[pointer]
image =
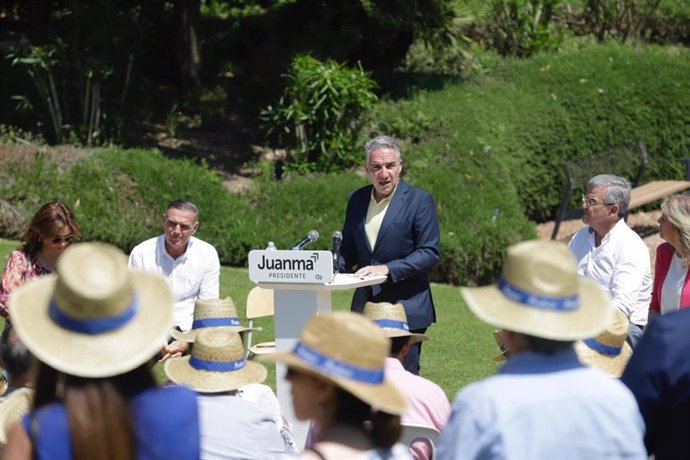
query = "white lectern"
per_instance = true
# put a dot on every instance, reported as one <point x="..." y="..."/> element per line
<point x="301" y="289"/>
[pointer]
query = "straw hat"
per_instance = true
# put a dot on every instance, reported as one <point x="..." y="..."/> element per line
<point x="217" y="363"/>
<point x="12" y="408"/>
<point x="93" y="317"/>
<point x="211" y="313"/>
<point x="540" y="293"/>
<point x="349" y="350"/>
<point x="608" y="351"/>
<point x="392" y="319"/>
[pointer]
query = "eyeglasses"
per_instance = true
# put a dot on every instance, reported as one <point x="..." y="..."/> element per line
<point x="60" y="239"/>
<point x="591" y="202"/>
<point x="172" y="224"/>
<point x="377" y="168"/>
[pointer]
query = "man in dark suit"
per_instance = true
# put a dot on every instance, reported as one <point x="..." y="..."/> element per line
<point x="658" y="374"/>
<point x="391" y="229"/>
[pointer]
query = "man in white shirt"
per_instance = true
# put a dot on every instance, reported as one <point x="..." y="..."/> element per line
<point x="611" y="253"/>
<point x="190" y="265"/>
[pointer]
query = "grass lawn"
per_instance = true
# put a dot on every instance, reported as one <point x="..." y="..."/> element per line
<point x="458" y="353"/>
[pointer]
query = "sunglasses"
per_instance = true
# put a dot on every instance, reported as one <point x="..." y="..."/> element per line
<point x="59" y="239"/>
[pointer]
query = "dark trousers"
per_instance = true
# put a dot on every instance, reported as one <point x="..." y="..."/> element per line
<point x="413" y="355"/>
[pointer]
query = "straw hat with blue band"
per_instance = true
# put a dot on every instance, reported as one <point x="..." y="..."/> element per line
<point x="349" y="350"/>
<point x="212" y="313"/>
<point x="392" y="319"/>
<point x="540" y="293"/>
<point x="609" y="350"/>
<point x="217" y="363"/>
<point x="12" y="409"/>
<point x="93" y="317"/>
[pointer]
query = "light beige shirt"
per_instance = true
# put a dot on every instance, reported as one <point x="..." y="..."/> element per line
<point x="375" y="215"/>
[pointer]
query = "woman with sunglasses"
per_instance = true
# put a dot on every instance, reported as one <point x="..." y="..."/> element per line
<point x="51" y="230"/>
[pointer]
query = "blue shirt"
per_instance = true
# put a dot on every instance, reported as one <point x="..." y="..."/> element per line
<point x="658" y="374"/>
<point x="166" y="426"/>
<point x="544" y="407"/>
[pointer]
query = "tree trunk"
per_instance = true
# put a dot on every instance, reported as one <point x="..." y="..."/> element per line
<point x="188" y="47"/>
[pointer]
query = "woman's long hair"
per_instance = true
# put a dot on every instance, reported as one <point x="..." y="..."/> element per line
<point x="50" y="218"/>
<point x="100" y="422"/>
<point x="385" y="428"/>
<point x="677" y="210"/>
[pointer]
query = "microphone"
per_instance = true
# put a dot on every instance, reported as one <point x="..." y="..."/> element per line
<point x="337" y="239"/>
<point x="312" y="236"/>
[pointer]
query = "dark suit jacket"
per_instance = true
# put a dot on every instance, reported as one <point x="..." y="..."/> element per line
<point x="658" y="374"/>
<point x="407" y="242"/>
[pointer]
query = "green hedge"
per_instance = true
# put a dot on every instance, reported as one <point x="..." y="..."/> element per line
<point x="532" y="115"/>
<point x="490" y="150"/>
<point x="555" y="107"/>
<point x="119" y="196"/>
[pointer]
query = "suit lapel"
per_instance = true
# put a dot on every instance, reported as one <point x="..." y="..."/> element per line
<point x="396" y="205"/>
<point x="361" y="220"/>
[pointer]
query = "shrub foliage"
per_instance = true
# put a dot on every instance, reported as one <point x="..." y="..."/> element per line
<point x="319" y="114"/>
<point x="489" y="150"/>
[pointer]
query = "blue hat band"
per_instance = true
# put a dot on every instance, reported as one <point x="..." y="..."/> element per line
<point x="602" y="348"/>
<point x="514" y="293"/>
<point x="216" y="366"/>
<point x="215" y="322"/>
<point x="392" y="323"/>
<point x="335" y="367"/>
<point x="92" y="326"/>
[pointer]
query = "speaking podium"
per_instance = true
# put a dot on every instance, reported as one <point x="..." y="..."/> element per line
<point x="302" y="282"/>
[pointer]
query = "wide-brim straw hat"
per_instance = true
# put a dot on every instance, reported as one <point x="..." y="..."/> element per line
<point x="93" y="317"/>
<point x="391" y="318"/>
<point x="12" y="408"/>
<point x="608" y="351"/>
<point x="540" y="293"/>
<point x="209" y="314"/>
<point x="349" y="350"/>
<point x="217" y="363"/>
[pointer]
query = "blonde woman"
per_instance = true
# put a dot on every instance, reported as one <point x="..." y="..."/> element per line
<point x="671" y="290"/>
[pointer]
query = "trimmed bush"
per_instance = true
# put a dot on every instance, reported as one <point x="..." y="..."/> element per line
<point x="583" y="101"/>
<point x="532" y="115"/>
<point x="489" y="150"/>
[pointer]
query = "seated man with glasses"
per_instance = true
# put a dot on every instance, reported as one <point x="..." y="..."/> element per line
<point x="611" y="253"/>
<point x="190" y="265"/>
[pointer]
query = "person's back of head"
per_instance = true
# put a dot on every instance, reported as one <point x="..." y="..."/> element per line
<point x="352" y="411"/>
<point x="399" y="347"/>
<point x="15" y="358"/>
<point x="544" y="346"/>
